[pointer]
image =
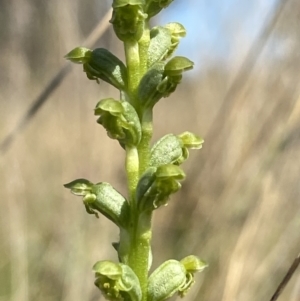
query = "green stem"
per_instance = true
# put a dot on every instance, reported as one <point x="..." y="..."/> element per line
<point x="135" y="246"/>
<point x="135" y="243"/>
<point x="146" y="118"/>
<point x="140" y="250"/>
<point x="140" y="230"/>
<point x="144" y="146"/>
<point x="143" y="49"/>
<point x="132" y="168"/>
<point x="133" y="69"/>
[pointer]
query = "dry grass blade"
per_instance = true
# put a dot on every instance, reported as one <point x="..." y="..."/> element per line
<point x="52" y="86"/>
<point x="35" y="106"/>
<point x="286" y="278"/>
<point x="220" y="122"/>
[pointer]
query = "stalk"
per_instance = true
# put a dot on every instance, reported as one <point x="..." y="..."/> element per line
<point x="133" y="69"/>
<point x="143" y="48"/>
<point x="140" y="233"/>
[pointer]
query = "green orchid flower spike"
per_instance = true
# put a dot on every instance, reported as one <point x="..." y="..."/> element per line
<point x="154" y="170"/>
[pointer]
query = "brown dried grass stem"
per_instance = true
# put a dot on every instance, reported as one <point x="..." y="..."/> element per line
<point x="286" y="278"/>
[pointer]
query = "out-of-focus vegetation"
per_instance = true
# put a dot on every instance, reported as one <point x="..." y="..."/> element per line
<point x="239" y="208"/>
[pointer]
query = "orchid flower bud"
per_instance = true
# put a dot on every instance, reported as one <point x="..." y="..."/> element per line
<point x="128" y="19"/>
<point x="117" y="281"/>
<point x="103" y="198"/>
<point x="174" y="149"/>
<point x="173" y="277"/>
<point x="188" y="141"/>
<point x="156" y="185"/>
<point x="177" y="65"/>
<point x="120" y="120"/>
<point x="100" y="64"/>
<point x="161" y="80"/>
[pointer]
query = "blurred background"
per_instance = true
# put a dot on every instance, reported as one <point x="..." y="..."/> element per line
<point x="239" y="208"/>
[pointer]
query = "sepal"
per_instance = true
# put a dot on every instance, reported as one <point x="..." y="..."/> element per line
<point x="160" y="44"/>
<point x="120" y="120"/>
<point x="191" y="140"/>
<point x="177" y="31"/>
<point x="128" y="19"/>
<point x="193" y="264"/>
<point x="148" y="93"/>
<point x="188" y="141"/>
<point x="106" y="66"/>
<point x="174" y="149"/>
<point x="110" y="203"/>
<point x="80" y="187"/>
<point x="156" y="185"/>
<point x="117" y="281"/>
<point x="145" y="182"/>
<point x="177" y="65"/>
<point x="166" y="280"/>
<point x="166" y="150"/>
<point x="173" y="277"/>
<point x="164" y="41"/>
<point x="79" y="55"/>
